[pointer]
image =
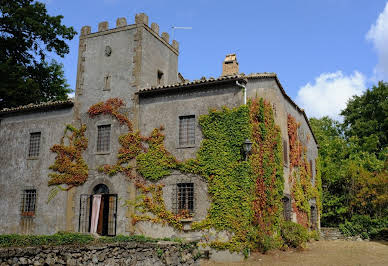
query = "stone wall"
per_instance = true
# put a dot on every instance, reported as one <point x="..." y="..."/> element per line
<point x="131" y="253"/>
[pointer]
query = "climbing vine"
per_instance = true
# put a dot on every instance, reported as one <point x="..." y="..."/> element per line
<point x="267" y="164"/>
<point x="151" y="201"/>
<point x="157" y="162"/>
<point x="71" y="169"/>
<point x="149" y="157"/>
<point x="301" y="177"/>
<point x="245" y="194"/>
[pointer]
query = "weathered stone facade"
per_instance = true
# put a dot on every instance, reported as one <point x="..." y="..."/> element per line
<point x="132" y="253"/>
<point x="136" y="64"/>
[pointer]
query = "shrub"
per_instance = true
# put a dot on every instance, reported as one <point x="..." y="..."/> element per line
<point x="380" y="235"/>
<point x="314" y="235"/>
<point x="364" y="226"/>
<point x="293" y="234"/>
<point x="60" y="238"/>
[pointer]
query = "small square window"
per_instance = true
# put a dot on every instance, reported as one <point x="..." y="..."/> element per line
<point x="28" y="202"/>
<point x="103" y="138"/>
<point x="34" y="147"/>
<point x="185" y="197"/>
<point x="187" y="130"/>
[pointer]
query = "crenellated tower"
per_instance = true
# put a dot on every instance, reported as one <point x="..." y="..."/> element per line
<point x="117" y="62"/>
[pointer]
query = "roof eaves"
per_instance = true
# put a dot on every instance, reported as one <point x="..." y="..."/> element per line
<point x="35" y="107"/>
<point x="195" y="83"/>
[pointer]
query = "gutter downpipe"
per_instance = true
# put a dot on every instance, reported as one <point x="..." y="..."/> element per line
<point x="244" y="90"/>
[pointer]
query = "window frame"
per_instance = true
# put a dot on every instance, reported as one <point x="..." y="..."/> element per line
<point x="28" y="195"/>
<point x="187" y="145"/>
<point x="99" y="125"/>
<point x="30" y="133"/>
<point x="189" y="192"/>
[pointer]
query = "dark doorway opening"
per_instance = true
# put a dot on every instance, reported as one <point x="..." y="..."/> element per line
<point x="98" y="212"/>
<point x="287" y="207"/>
<point x="313" y="217"/>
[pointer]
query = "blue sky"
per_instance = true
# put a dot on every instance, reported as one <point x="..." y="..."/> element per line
<point x="323" y="51"/>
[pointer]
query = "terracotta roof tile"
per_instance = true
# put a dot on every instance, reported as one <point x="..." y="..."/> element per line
<point x="211" y="80"/>
<point x="44" y="105"/>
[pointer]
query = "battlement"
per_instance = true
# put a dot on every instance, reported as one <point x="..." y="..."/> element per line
<point x="141" y="20"/>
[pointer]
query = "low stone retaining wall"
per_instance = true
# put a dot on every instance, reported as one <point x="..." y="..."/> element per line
<point x="131" y="253"/>
<point x="331" y="233"/>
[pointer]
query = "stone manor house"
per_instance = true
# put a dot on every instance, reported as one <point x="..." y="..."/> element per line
<point x="139" y="65"/>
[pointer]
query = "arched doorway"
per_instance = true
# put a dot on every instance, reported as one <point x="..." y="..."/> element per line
<point x="98" y="211"/>
<point x="101" y="189"/>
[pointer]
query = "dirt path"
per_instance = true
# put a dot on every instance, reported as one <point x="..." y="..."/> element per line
<point x="336" y="252"/>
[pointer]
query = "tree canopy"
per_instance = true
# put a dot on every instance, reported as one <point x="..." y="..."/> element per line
<point x="354" y="159"/>
<point x="366" y="117"/>
<point x="27" y="36"/>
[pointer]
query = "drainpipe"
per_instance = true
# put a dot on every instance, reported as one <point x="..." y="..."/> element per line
<point x="244" y="91"/>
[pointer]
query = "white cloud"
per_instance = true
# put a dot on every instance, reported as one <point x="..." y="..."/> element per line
<point x="378" y="34"/>
<point x="330" y="93"/>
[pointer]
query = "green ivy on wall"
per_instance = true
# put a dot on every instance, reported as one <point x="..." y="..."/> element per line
<point x="246" y="196"/>
<point x="71" y="169"/>
<point x="302" y="188"/>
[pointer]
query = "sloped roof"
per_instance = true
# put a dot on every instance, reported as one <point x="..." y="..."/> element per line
<point x="40" y="106"/>
<point x="194" y="83"/>
<point x="223" y="79"/>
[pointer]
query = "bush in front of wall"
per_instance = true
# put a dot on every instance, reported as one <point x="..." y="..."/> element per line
<point x="293" y="234"/>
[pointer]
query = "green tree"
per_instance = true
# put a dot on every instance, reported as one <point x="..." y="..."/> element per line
<point x="366" y="118"/>
<point x="333" y="151"/>
<point x="27" y="35"/>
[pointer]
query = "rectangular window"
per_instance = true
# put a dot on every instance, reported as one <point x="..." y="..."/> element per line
<point x="186" y="130"/>
<point x="107" y="79"/>
<point x="34" y="147"/>
<point x="28" y="202"/>
<point x="103" y="138"/>
<point x="285" y="154"/>
<point x="185" y="197"/>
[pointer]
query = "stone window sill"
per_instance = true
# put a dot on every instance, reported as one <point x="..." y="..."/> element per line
<point x="186" y="147"/>
<point x="33" y="158"/>
<point x="102" y="153"/>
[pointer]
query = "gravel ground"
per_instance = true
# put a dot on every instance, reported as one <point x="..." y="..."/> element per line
<point x="336" y="252"/>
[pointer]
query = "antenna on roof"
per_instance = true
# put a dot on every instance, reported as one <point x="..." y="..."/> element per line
<point x="178" y="28"/>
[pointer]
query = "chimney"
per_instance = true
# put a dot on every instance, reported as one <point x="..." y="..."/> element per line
<point x="230" y="65"/>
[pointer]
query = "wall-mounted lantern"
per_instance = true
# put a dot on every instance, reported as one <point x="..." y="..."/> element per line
<point x="247" y="146"/>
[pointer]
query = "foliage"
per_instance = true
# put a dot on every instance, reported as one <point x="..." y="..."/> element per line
<point x="157" y="162"/>
<point x="365" y="117"/>
<point x="151" y="201"/>
<point x="71" y="169"/>
<point x="123" y="239"/>
<point x="28" y="34"/>
<point x="246" y="195"/>
<point x="267" y="166"/>
<point x="152" y="163"/>
<point x="293" y="234"/>
<point x="110" y="107"/>
<point x="60" y="238"/>
<point x="303" y="190"/>
<point x="364" y="226"/>
<point x="66" y="238"/>
<point x="230" y="180"/>
<point x="355" y="181"/>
